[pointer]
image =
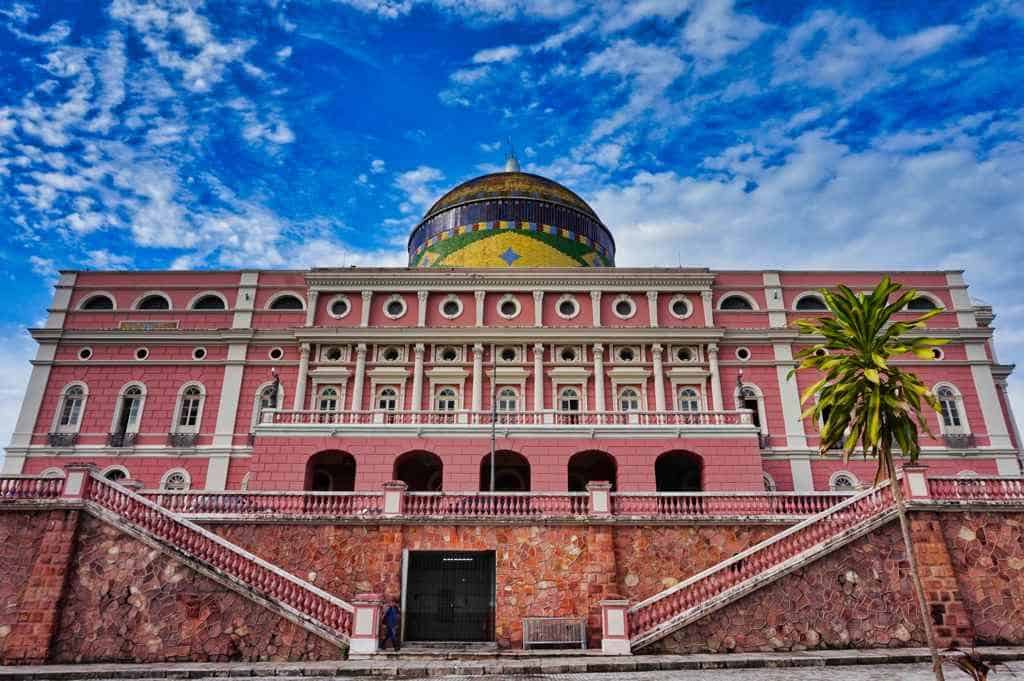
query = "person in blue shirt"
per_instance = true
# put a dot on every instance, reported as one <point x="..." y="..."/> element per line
<point x="392" y="620"/>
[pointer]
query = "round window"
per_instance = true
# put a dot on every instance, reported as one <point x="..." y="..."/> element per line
<point x="568" y="308"/>
<point x="568" y="355"/>
<point x="684" y="355"/>
<point x="627" y="355"/>
<point x="390" y="354"/>
<point x="449" y="355"/>
<point x="141" y="353"/>
<point x="199" y="353"/>
<point x="85" y="353"/>
<point x="332" y="354"/>
<point x="624" y="308"/>
<point x="395" y="308"/>
<point x="820" y="352"/>
<point x="340" y="308"/>
<point x="451" y="308"/>
<point x="508" y="308"/>
<point x="680" y="308"/>
<point x="508" y="355"/>
<point x="937" y="354"/>
<point x="275" y="353"/>
<point x="742" y="354"/>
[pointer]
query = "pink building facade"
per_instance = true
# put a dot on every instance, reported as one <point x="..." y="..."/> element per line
<point x="344" y="379"/>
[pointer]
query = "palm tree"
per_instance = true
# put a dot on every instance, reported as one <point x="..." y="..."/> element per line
<point x="864" y="400"/>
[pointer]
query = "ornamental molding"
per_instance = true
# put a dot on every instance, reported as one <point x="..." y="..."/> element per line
<point x="617" y="279"/>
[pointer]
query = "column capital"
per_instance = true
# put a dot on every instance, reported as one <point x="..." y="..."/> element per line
<point x="304" y="348"/>
<point x="538" y="348"/>
<point x="656" y="349"/>
<point x="478" y="349"/>
<point x="705" y="295"/>
<point x="713" y="348"/>
<point x="419" y="349"/>
<point x="598" y="348"/>
<point x="538" y="295"/>
<point x="595" y="295"/>
<point x="366" y="295"/>
<point x="422" y="296"/>
<point x="652" y="295"/>
<point x="361" y="349"/>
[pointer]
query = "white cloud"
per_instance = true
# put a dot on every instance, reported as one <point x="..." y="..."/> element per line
<point x="714" y="31"/>
<point x="44" y="267"/>
<point x="103" y="259"/>
<point x="848" y="55"/>
<point x="377" y="166"/>
<point x="276" y="132"/>
<point x="505" y="53"/>
<point x="469" y="76"/>
<point x="420" y="187"/>
<point x="284" y="53"/>
<point x="15" y="365"/>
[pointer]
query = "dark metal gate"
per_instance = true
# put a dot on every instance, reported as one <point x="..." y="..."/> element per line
<point x="450" y="596"/>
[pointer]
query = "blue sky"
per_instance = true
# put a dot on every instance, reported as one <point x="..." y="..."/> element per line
<point x="160" y="134"/>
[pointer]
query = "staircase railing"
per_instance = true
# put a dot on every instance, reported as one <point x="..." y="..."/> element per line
<point x="267" y="580"/>
<point x="704" y="592"/>
<point x="30" y="487"/>
<point x="976" y="489"/>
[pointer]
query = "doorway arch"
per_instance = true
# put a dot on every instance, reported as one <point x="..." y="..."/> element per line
<point x="422" y="471"/>
<point x="511" y="472"/>
<point x="679" y="471"/>
<point x="591" y="466"/>
<point x="330" y="471"/>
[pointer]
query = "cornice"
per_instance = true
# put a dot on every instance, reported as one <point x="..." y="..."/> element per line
<point x="618" y="279"/>
<point x="502" y="334"/>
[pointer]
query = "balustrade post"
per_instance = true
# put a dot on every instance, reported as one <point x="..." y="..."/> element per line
<point x="76" y="480"/>
<point x="394" y="498"/>
<point x="615" y="627"/>
<point x="132" y="485"/>
<point x="915" y="483"/>
<point x="600" y="499"/>
<point x="365" y="623"/>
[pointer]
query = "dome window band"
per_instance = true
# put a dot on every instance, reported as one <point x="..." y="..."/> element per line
<point x="508" y="308"/>
<point x="451" y="308"/>
<point x="275" y="353"/>
<point x="508" y="354"/>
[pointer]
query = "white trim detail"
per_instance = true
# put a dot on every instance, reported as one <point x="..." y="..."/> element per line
<point x="176" y="426"/>
<point x="336" y="299"/>
<point x="958" y="404"/>
<point x="148" y="294"/>
<point x="110" y="469"/>
<point x="567" y="297"/>
<point x="203" y="294"/>
<point x="689" y="306"/>
<point x="281" y="294"/>
<point x="133" y="425"/>
<point x="450" y="298"/>
<point x="624" y="298"/>
<point x="808" y="294"/>
<point x="166" y="477"/>
<point x="394" y="297"/>
<point x="746" y="296"/>
<point x="79" y="414"/>
<point x="107" y="294"/>
<point x="508" y="297"/>
<point x="834" y="478"/>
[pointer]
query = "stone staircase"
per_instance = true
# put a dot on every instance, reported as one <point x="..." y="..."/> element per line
<point x="228" y="564"/>
<point x="761" y="564"/>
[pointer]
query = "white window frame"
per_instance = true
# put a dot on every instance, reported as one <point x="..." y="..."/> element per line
<point x="320" y="398"/>
<point x="396" y="397"/>
<point x="268" y="306"/>
<point x="138" y="300"/>
<point x="439" y="352"/>
<point x="958" y="400"/>
<point x="637" y="397"/>
<point x="216" y="294"/>
<point x="835" y="477"/>
<point x="257" y="404"/>
<point x="270" y="353"/>
<point x="515" y="397"/>
<point x="746" y="296"/>
<point x="696" y="397"/>
<point x="624" y="297"/>
<point x="578" y="349"/>
<point x="514" y="348"/>
<point x="176" y="426"/>
<point x="176" y="471"/>
<point x="109" y="469"/>
<point x="808" y="294"/>
<point x="81" y="303"/>
<point x="342" y="353"/>
<point x="381" y="349"/>
<point x="571" y="298"/>
<point x="131" y="427"/>
<point x="695" y="356"/>
<point x="508" y="297"/>
<point x="336" y="299"/>
<point x="450" y="298"/>
<point x="762" y="416"/>
<point x="391" y="299"/>
<point x="457" y="398"/>
<point x="744" y="348"/>
<point x="689" y="306"/>
<point x="71" y="427"/>
<point x="637" y="354"/>
<point x="578" y="390"/>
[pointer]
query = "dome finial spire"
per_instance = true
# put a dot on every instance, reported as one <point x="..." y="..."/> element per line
<point x="511" y="162"/>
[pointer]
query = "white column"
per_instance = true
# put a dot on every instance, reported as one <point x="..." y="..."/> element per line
<point x="789" y="394"/>
<point x="27" y="417"/>
<point x="421" y="311"/>
<point x="245" y="301"/>
<point x="480" y="296"/>
<point x="709" y="310"/>
<point x="962" y="304"/>
<point x="595" y="307"/>
<point x="538" y="308"/>
<point x="478" y="377"/>
<point x="800" y="469"/>
<point x="599" y="377"/>
<point x="774" y="302"/>
<point x="538" y="375"/>
<point x="659" y="378"/>
<point x="61" y="300"/>
<point x="995" y="424"/>
<point x="364" y="314"/>
<point x="299" y="401"/>
<point x="1005" y="394"/>
<point x="716" y="382"/>
<point x="311" y="299"/>
<point x="357" y="381"/>
<point x="230" y="393"/>
<point x="417" y="378"/>
<point x="652" y="308"/>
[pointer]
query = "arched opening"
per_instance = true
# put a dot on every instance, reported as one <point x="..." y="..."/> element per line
<point x="421" y="471"/>
<point x="209" y="302"/>
<point x="592" y="466"/>
<point x="679" y="471"/>
<point x="98" y="302"/>
<point x="155" y="301"/>
<point x="287" y="302"/>
<point x="331" y="471"/>
<point x="811" y="303"/>
<point x="735" y="302"/>
<point x="511" y="472"/>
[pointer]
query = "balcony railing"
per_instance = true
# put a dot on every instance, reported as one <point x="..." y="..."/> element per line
<point x="61" y="439"/>
<point x="121" y="439"/>
<point x="739" y="417"/>
<point x="185" y="440"/>
<point x="960" y="440"/>
<point x="335" y="504"/>
<point x="976" y="489"/>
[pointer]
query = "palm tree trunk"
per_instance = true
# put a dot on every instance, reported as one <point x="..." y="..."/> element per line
<point x="915" y="576"/>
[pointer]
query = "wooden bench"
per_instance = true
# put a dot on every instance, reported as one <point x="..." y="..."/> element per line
<point x="560" y="631"/>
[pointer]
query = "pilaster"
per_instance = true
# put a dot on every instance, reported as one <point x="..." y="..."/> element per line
<point x="357" y="382"/>
<point x="598" y="350"/>
<point x="478" y="370"/>
<point x="652" y="308"/>
<point x="709" y="310"/>
<point x="29" y="413"/>
<point x="595" y="307"/>
<point x="538" y="377"/>
<point x="421" y="310"/>
<point x="984" y="383"/>
<point x="775" y="303"/>
<point x="364" y="313"/>
<point x="789" y="396"/>
<point x="716" y="381"/>
<point x="538" y="308"/>
<point x="245" y="301"/>
<point x="61" y="300"/>
<point x="299" y="401"/>
<point x="659" y="378"/>
<point x="417" y="377"/>
<point x="480" y="296"/>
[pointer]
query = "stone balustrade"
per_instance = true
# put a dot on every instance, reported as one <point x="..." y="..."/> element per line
<point x="976" y="489"/>
<point x="327" y="504"/>
<point x="29" y="487"/>
<point x="738" y="417"/>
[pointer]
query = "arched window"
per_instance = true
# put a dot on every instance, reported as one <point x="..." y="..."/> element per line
<point x="190" y="409"/>
<point x="116" y="473"/>
<point x="843" y="481"/>
<point x="593" y="466"/>
<point x="286" y="302"/>
<point x="511" y="473"/>
<point x="569" y="400"/>
<point x="98" y="302"/>
<point x="209" y="301"/>
<point x="421" y="471"/>
<point x="176" y="480"/>
<point x="58" y="473"/>
<point x="446" y="400"/>
<point x="678" y="471"/>
<point x="270" y="396"/>
<point x="129" y="410"/>
<point x="689" y="400"/>
<point x="952" y="415"/>
<point x="735" y="302"/>
<point x="331" y="471"/>
<point x="921" y="304"/>
<point x="508" y="401"/>
<point x="811" y="302"/>
<point x="629" y="400"/>
<point x="154" y="301"/>
<point x="749" y="397"/>
<point x="328" y="400"/>
<point x="387" y="399"/>
<point x="72" y="405"/>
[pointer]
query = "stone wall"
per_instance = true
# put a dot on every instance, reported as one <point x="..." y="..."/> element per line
<point x="858" y="597"/>
<point x="127" y="602"/>
<point x="987" y="552"/>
